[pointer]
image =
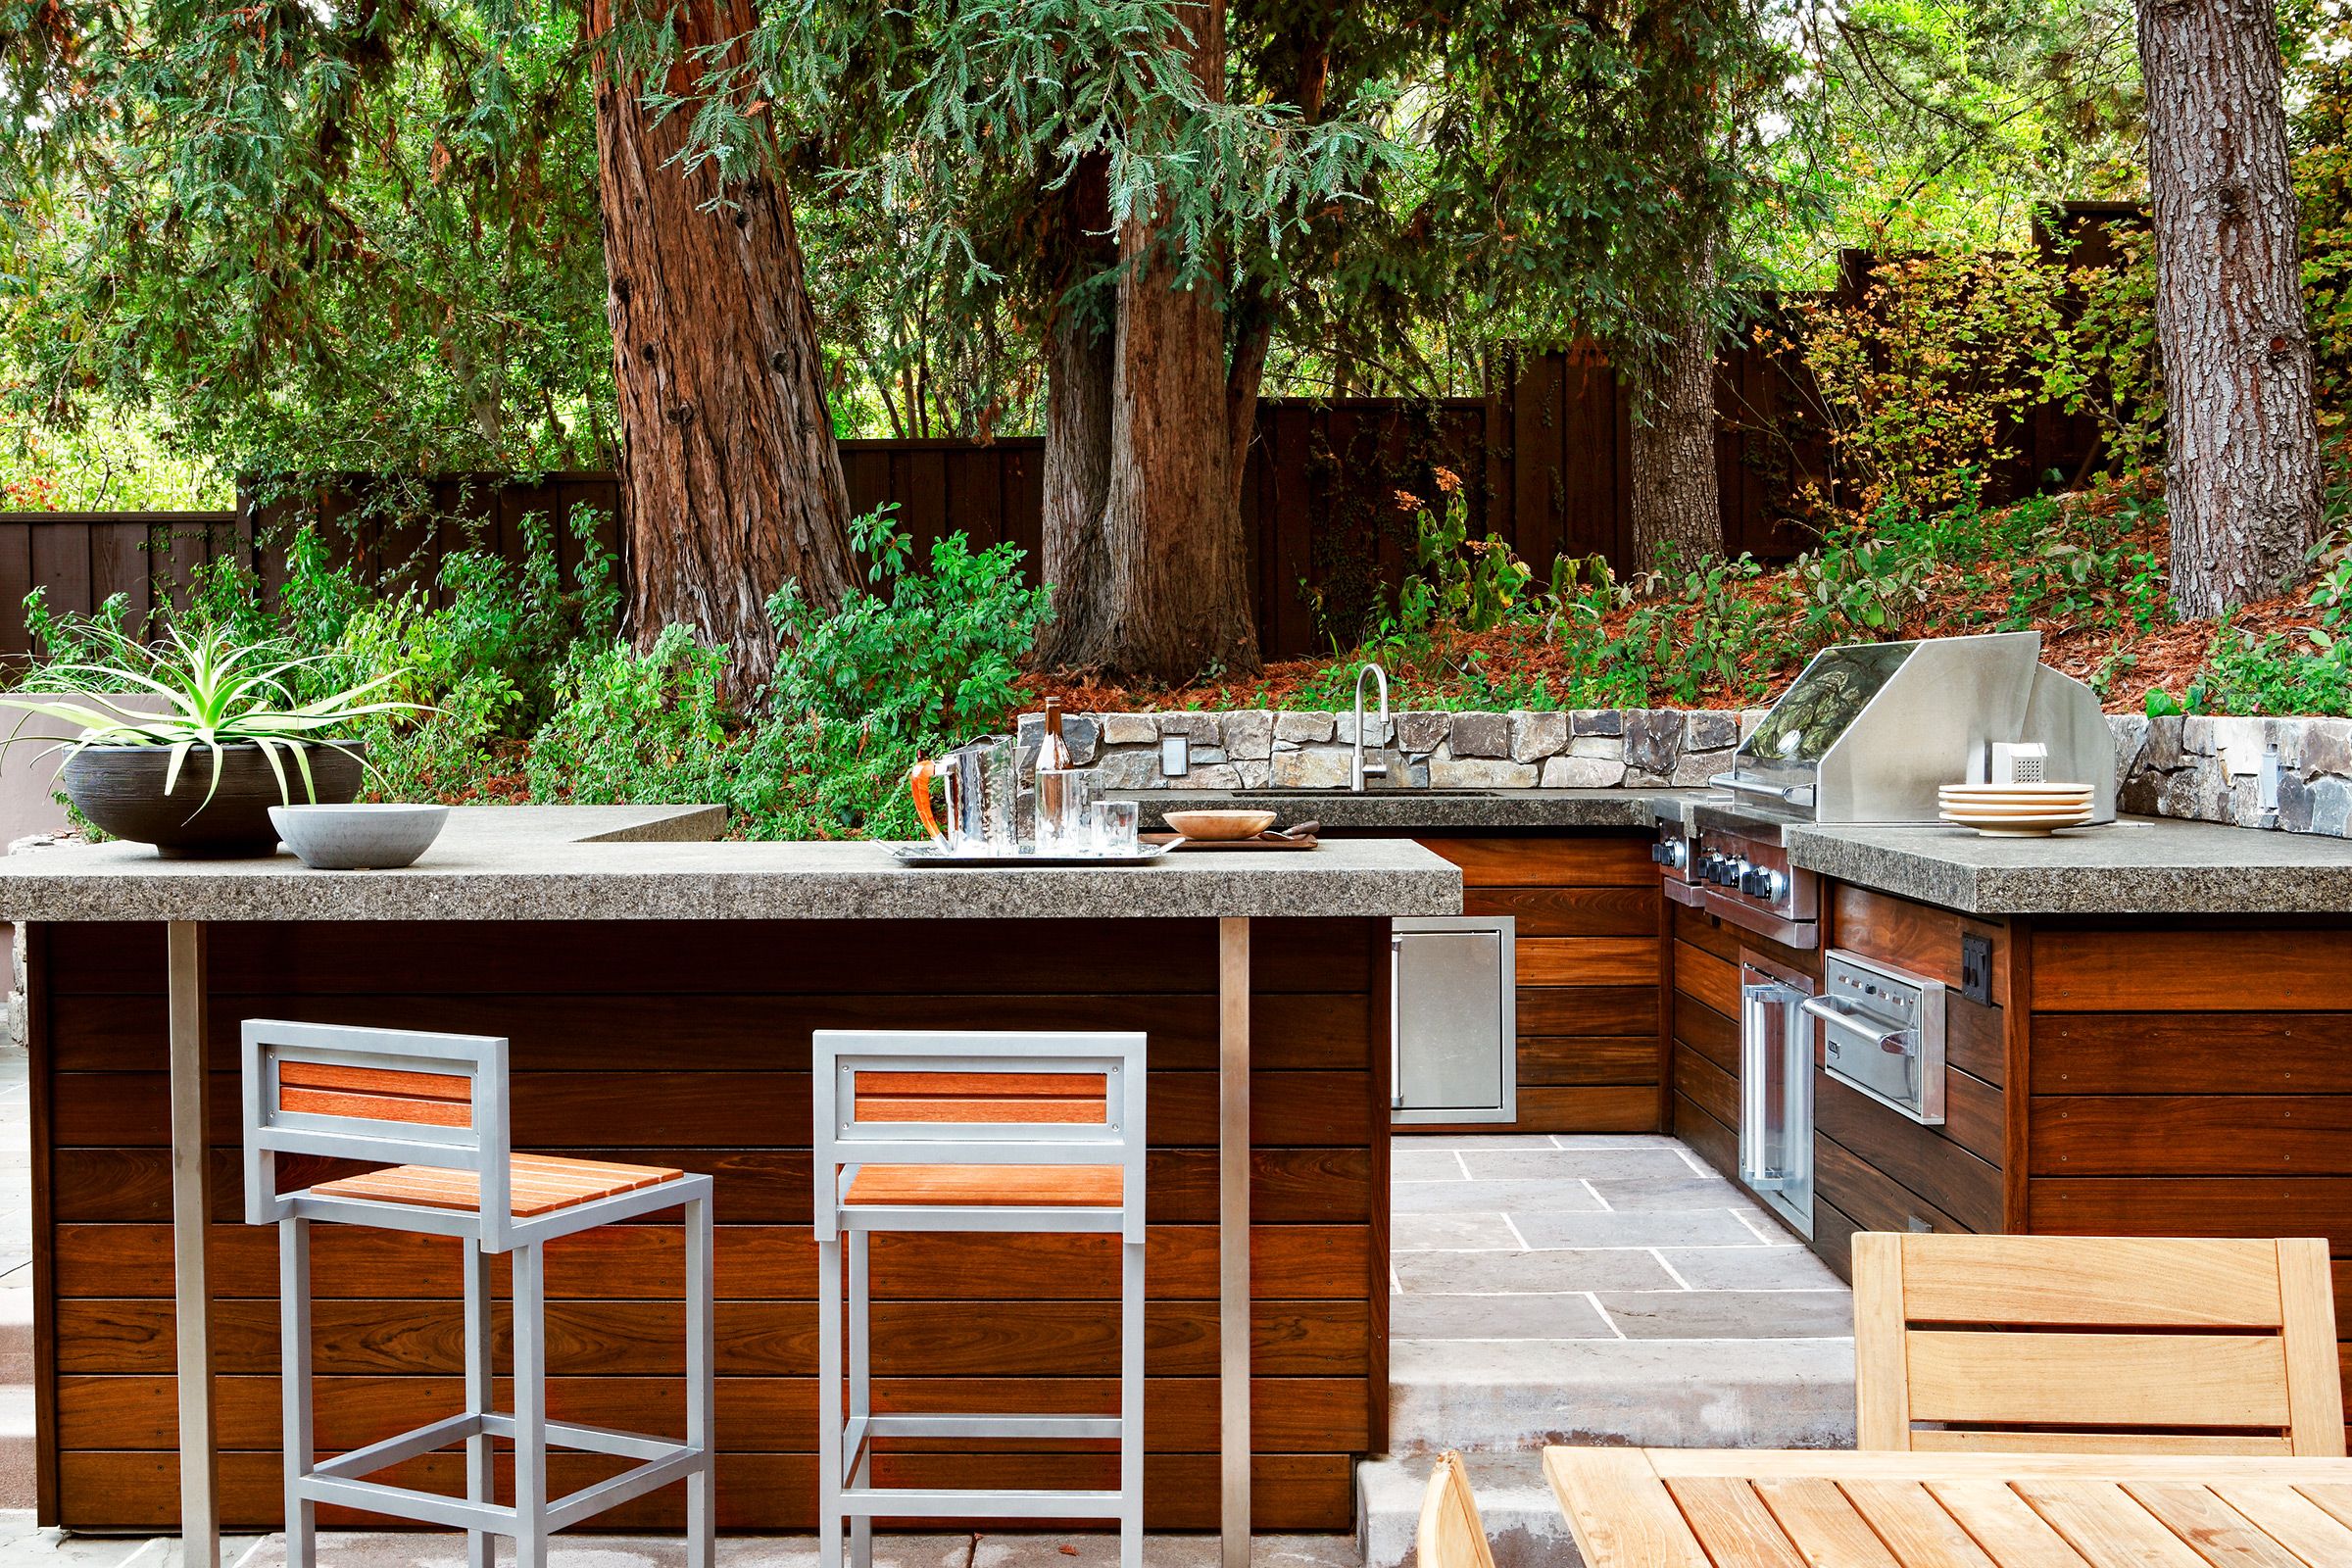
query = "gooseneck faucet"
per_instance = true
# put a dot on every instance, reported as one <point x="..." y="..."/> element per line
<point x="1363" y="769"/>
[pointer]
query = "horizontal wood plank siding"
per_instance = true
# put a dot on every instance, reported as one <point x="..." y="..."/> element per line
<point x="690" y="1043"/>
<point x="1588" y="963"/>
<point x="2193" y="1079"/>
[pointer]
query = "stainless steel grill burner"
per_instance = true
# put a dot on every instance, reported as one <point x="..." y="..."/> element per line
<point x="1867" y="733"/>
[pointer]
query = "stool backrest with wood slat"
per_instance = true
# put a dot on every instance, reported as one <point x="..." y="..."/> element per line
<point x="976" y="1097"/>
<point x="388" y="1097"/>
<point x="2111" y="1344"/>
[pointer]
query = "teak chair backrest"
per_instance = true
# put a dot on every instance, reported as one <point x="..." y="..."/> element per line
<point x="1450" y="1535"/>
<point x="2056" y="1343"/>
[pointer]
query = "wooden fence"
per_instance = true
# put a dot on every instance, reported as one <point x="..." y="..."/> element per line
<point x="1544" y="463"/>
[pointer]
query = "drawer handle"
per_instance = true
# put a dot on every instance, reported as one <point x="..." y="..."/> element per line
<point x="1895" y="1042"/>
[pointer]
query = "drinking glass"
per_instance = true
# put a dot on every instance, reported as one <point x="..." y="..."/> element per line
<point x="1062" y="797"/>
<point x="1115" y="823"/>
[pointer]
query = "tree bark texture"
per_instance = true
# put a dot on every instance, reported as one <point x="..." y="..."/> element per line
<point x="1081" y="360"/>
<point x="2242" y="460"/>
<point x="1173" y="598"/>
<point x="1677" y="510"/>
<point x="729" y="466"/>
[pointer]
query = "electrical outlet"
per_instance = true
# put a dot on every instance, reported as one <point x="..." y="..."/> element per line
<point x="1976" y="968"/>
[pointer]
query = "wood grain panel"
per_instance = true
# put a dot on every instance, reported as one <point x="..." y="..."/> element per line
<point x="1707" y="1032"/>
<point x="1875" y="1201"/>
<point x="1597" y="861"/>
<point x="733" y="1031"/>
<point x="1935" y="1168"/>
<point x="2192" y="1053"/>
<point x="947" y="1338"/>
<point x="686" y="958"/>
<point x="1547" y="1059"/>
<point x="687" y="1110"/>
<point x="1917" y="937"/>
<point x="756" y="1415"/>
<point x="1709" y="1087"/>
<point x="1614" y="910"/>
<point x="1588" y="1010"/>
<point x="751" y="1262"/>
<point x="619" y="1057"/>
<point x="1703" y="977"/>
<point x="2196" y="1205"/>
<point x="1975" y="1039"/>
<point x="2200" y="969"/>
<point x="1715" y="1142"/>
<point x="1603" y="1108"/>
<point x="2191" y="1135"/>
<point x="1588" y="960"/>
<point x="1301" y="1491"/>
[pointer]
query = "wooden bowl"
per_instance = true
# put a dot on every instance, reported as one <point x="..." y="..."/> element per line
<point x="1217" y="825"/>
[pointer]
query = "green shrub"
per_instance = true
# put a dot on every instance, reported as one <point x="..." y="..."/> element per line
<point x="636" y="727"/>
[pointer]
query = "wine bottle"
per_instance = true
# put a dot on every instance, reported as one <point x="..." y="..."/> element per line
<point x="1052" y="779"/>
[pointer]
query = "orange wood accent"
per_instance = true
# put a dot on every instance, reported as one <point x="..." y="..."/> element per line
<point x="1917" y="937"/>
<point x="541" y="1184"/>
<point x="377" y="1080"/>
<point x="989" y="1186"/>
<point x="376" y="1107"/>
<point x="2196" y="969"/>
<point x="1578" y="861"/>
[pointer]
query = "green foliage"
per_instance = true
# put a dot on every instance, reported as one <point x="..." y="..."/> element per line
<point x="2321" y="135"/>
<point x="215" y="692"/>
<point x="931" y="654"/>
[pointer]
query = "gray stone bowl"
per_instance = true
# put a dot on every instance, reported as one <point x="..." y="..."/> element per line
<point x="358" y="838"/>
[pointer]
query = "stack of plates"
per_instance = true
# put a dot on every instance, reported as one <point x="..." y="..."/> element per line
<point x="2016" y="809"/>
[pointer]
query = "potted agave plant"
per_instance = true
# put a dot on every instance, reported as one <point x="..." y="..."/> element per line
<point x="232" y="739"/>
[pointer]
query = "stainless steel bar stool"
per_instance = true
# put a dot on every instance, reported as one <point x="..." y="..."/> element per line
<point x="432" y="1107"/>
<point x="938" y="1130"/>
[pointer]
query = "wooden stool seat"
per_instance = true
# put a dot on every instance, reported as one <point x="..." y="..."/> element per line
<point x="988" y="1186"/>
<point x="541" y="1184"/>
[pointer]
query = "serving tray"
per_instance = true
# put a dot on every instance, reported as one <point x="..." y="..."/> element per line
<point x="931" y="854"/>
<point x="1176" y="840"/>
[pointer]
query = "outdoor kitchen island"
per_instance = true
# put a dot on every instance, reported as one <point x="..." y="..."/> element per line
<point x="659" y="997"/>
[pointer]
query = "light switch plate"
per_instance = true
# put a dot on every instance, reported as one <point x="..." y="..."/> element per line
<point x="1976" y="968"/>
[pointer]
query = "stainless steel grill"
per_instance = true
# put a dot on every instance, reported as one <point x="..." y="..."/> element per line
<point x="1867" y="733"/>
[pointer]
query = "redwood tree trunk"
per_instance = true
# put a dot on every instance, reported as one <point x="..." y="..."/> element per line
<point x="1676" y="508"/>
<point x="1081" y="361"/>
<point x="729" y="466"/>
<point x="2243" y="458"/>
<point x="1173" y="596"/>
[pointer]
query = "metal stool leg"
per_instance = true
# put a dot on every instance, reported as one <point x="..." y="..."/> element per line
<point x="1130" y="1405"/>
<point x="828" y="1403"/>
<point x="294" y="1372"/>
<point x="481" y="1549"/>
<point x="701" y="1424"/>
<point x="530" y="1408"/>
<point x="862" y="1399"/>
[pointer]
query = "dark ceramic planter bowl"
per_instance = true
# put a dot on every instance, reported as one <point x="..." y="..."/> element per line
<point x="120" y="788"/>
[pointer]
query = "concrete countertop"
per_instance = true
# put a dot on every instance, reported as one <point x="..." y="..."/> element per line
<point x="1432" y="809"/>
<point x="659" y="864"/>
<point x="2139" y="865"/>
<point x="2142" y="865"/>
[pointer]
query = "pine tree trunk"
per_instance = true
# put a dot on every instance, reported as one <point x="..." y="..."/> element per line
<point x="1174" y="594"/>
<point x="2242" y="461"/>
<point x="1676" y="510"/>
<point x="729" y="468"/>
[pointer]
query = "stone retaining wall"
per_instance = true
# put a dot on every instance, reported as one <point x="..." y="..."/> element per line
<point x="2202" y="768"/>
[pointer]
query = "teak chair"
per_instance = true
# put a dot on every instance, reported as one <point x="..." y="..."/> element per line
<point x="1450" y="1535"/>
<point x="2059" y="1344"/>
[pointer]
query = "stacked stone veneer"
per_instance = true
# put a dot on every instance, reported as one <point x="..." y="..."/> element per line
<point x="2202" y="768"/>
<point x="2210" y="769"/>
<point x="1261" y="749"/>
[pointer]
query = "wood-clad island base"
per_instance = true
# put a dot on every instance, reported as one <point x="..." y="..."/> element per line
<point x="686" y="1045"/>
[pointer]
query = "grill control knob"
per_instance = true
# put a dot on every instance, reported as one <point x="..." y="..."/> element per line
<point x="1731" y="873"/>
<point x="1765" y="884"/>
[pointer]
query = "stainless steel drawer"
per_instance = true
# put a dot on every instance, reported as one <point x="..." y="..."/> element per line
<point x="1453" y="1019"/>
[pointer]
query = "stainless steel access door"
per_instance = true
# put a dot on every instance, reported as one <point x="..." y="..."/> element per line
<point x="1453" y="1019"/>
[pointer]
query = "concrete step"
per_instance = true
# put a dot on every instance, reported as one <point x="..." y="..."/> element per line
<point x="1523" y="1526"/>
<point x="1514" y="1396"/>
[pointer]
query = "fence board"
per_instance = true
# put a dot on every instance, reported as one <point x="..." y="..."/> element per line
<point x="1543" y="458"/>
